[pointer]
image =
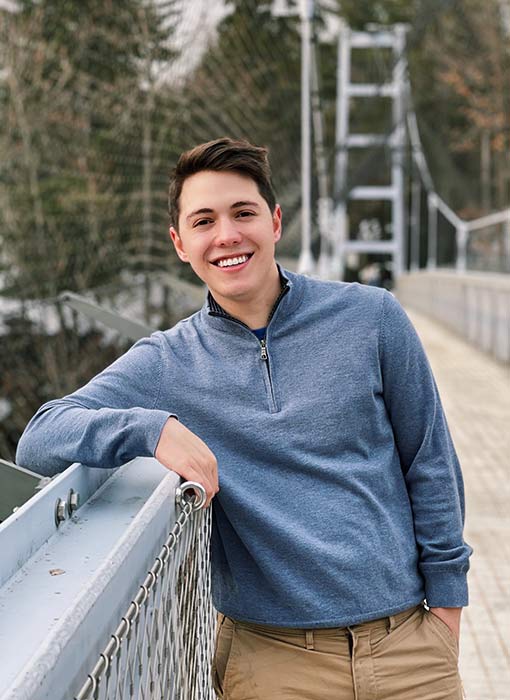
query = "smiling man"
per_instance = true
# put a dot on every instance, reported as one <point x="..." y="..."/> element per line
<point x="230" y="242"/>
<point x="337" y="556"/>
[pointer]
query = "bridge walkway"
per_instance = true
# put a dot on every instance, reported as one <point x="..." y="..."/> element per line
<point x="475" y="391"/>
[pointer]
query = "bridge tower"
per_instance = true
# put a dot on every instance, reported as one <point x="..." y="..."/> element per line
<point x="346" y="241"/>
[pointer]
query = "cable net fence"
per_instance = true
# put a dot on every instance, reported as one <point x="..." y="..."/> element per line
<point x="488" y="248"/>
<point x="97" y="100"/>
<point x="162" y="647"/>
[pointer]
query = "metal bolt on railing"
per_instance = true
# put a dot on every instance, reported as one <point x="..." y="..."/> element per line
<point x="181" y="496"/>
<point x="73" y="501"/>
<point x="60" y="511"/>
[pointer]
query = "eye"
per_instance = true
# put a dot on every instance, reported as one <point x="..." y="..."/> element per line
<point x="201" y="222"/>
<point x="244" y="214"/>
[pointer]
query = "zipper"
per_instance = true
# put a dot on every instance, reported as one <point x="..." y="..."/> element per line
<point x="264" y="354"/>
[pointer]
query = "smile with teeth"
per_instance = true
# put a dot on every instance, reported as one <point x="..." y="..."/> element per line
<point x="230" y="262"/>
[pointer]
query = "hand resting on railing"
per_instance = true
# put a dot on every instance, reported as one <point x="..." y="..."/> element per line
<point x="186" y="454"/>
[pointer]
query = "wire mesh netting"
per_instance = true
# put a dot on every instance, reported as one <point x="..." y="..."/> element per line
<point x="488" y="249"/>
<point x="162" y="647"/>
<point x="97" y="100"/>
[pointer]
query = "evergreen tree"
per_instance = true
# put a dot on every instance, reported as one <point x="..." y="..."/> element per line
<point x="78" y="156"/>
<point x="76" y="78"/>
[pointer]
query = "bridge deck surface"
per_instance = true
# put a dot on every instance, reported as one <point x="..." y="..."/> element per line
<point x="475" y="391"/>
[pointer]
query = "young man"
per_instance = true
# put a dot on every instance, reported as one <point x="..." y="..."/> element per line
<point x="312" y="405"/>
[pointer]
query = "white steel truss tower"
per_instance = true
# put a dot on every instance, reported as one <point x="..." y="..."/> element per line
<point x="392" y="38"/>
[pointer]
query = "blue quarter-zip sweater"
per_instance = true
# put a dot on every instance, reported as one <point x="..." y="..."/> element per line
<point x="341" y="496"/>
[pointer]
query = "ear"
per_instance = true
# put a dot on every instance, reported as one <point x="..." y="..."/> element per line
<point x="277" y="223"/>
<point x="177" y="241"/>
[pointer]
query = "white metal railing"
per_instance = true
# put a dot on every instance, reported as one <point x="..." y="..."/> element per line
<point x="473" y="304"/>
<point x="163" y="644"/>
<point x="80" y="616"/>
<point x="496" y="244"/>
<point x="494" y="253"/>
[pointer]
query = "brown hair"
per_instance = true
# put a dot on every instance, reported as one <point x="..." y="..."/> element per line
<point x="224" y="154"/>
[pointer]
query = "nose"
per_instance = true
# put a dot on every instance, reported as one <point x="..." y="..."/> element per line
<point x="227" y="233"/>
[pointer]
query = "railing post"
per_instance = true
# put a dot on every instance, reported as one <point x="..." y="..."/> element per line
<point x="306" y="262"/>
<point x="397" y="151"/>
<point x="415" y="225"/>
<point x="506" y="244"/>
<point x="432" y="228"/>
<point x="340" y="232"/>
<point x="461" y="236"/>
<point x="324" y="266"/>
<point x="325" y="202"/>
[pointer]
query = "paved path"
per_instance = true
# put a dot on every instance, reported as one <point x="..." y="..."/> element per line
<point x="475" y="392"/>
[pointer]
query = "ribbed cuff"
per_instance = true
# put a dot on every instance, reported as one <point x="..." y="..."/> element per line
<point x="446" y="589"/>
<point x="154" y="430"/>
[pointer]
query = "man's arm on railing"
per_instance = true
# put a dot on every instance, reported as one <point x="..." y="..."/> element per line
<point x="109" y="421"/>
<point x="116" y="417"/>
<point x="180" y="450"/>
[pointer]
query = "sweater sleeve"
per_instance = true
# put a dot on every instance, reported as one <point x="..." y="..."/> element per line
<point x="428" y="458"/>
<point x="109" y="421"/>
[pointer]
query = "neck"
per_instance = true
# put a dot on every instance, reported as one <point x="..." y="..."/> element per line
<point x="254" y="312"/>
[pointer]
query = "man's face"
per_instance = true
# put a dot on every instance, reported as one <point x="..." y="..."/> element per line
<point x="227" y="233"/>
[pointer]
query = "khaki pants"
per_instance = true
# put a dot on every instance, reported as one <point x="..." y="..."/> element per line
<point x="409" y="656"/>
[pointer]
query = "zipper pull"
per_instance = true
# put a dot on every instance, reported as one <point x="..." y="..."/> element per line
<point x="263" y="350"/>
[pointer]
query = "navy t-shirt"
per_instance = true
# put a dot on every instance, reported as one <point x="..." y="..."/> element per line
<point x="260" y="332"/>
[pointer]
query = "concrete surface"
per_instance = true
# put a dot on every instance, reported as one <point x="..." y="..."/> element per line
<point x="475" y="392"/>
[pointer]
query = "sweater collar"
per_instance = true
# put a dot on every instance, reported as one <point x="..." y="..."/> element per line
<point x="290" y="297"/>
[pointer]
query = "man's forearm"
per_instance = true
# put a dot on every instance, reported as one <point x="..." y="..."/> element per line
<point x="63" y="432"/>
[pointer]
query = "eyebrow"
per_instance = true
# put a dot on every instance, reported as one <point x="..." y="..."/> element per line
<point x="236" y="205"/>
<point x="204" y="210"/>
<point x="244" y="204"/>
